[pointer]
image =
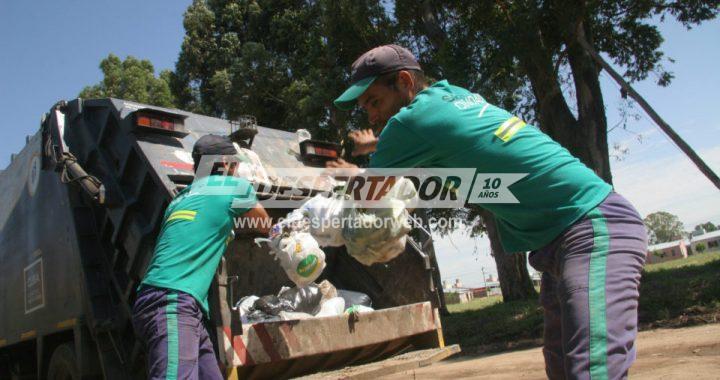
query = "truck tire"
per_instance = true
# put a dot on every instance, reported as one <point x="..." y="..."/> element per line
<point x="63" y="364"/>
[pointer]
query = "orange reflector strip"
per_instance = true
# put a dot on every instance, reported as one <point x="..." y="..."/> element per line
<point x="28" y="334"/>
<point x="65" y="324"/>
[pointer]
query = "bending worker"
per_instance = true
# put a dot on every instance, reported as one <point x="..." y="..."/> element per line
<point x="171" y="307"/>
<point x="588" y="241"/>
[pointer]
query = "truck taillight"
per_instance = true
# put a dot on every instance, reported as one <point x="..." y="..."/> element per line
<point x="318" y="152"/>
<point x="322" y="152"/>
<point x="163" y="122"/>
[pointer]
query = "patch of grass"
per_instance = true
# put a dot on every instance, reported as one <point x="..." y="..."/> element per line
<point x="475" y="304"/>
<point x="488" y="324"/>
<point x="681" y="292"/>
<point x="694" y="260"/>
<point x="674" y="293"/>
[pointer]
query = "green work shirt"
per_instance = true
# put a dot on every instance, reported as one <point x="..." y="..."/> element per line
<point x="446" y="126"/>
<point x="196" y="229"/>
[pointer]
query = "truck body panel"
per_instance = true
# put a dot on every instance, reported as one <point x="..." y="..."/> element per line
<point x="72" y="263"/>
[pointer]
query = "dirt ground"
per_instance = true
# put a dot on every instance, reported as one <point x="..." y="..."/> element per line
<point x="684" y="353"/>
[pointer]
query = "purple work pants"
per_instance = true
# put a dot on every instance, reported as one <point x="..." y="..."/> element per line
<point x="589" y="293"/>
<point x="170" y="324"/>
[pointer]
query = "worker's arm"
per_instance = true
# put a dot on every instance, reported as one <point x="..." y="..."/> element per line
<point x="249" y="216"/>
<point x="257" y="221"/>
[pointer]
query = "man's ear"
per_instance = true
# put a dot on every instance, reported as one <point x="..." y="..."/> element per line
<point x="405" y="80"/>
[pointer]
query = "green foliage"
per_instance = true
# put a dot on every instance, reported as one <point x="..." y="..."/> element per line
<point x="664" y="226"/>
<point x="708" y="227"/>
<point x="700" y="247"/>
<point x="281" y="61"/>
<point x="524" y="56"/>
<point x="132" y="79"/>
<point x="284" y="61"/>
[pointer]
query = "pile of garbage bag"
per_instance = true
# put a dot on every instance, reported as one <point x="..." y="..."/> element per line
<point x="370" y="235"/>
<point x="309" y="301"/>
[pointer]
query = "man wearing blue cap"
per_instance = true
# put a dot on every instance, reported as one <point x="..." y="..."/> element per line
<point x="589" y="242"/>
<point x="171" y="308"/>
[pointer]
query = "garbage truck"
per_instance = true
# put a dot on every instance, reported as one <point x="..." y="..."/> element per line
<point x="80" y="210"/>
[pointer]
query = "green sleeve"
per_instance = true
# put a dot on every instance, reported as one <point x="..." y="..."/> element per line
<point x="400" y="147"/>
<point x="243" y="198"/>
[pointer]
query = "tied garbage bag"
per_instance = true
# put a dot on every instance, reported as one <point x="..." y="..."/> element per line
<point x="272" y="305"/>
<point x="378" y="235"/>
<point x="305" y="299"/>
<point x="296" y="221"/>
<point x="299" y="254"/>
<point x="325" y="223"/>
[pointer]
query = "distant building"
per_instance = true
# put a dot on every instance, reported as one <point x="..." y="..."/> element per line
<point x="711" y="241"/>
<point x="673" y="250"/>
<point x="491" y="288"/>
<point x="456" y="293"/>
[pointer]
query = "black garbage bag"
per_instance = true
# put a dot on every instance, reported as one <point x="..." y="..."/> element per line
<point x="305" y="299"/>
<point x="354" y="298"/>
<point x="272" y="305"/>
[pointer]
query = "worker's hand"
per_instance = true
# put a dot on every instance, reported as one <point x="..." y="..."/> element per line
<point x="341" y="167"/>
<point x="364" y="141"/>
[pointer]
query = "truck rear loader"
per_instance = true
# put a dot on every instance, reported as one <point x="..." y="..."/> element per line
<point x="80" y="209"/>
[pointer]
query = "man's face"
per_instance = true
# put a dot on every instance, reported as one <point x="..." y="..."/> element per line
<point x="382" y="101"/>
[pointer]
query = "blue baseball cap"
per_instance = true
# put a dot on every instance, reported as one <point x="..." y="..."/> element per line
<point x="378" y="61"/>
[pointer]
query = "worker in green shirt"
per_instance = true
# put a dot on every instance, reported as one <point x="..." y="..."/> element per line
<point x="589" y="242"/>
<point x="171" y="308"/>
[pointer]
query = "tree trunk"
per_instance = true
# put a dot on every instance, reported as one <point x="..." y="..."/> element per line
<point x="586" y="136"/>
<point x="515" y="282"/>
<point x="591" y="108"/>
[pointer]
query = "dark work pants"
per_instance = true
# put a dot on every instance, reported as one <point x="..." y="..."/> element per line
<point x="589" y="293"/>
<point x="170" y="323"/>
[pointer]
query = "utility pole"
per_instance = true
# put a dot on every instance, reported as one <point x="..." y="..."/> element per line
<point x="665" y="127"/>
<point x="487" y="293"/>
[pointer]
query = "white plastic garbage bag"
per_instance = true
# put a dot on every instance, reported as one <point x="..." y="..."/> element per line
<point x="299" y="255"/>
<point x="331" y="307"/>
<point x="244" y="306"/>
<point x="250" y="166"/>
<point x="324" y="215"/>
<point x="376" y="235"/>
<point x="404" y="190"/>
<point x="296" y="221"/>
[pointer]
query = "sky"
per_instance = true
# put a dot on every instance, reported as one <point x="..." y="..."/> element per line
<point x="50" y="50"/>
